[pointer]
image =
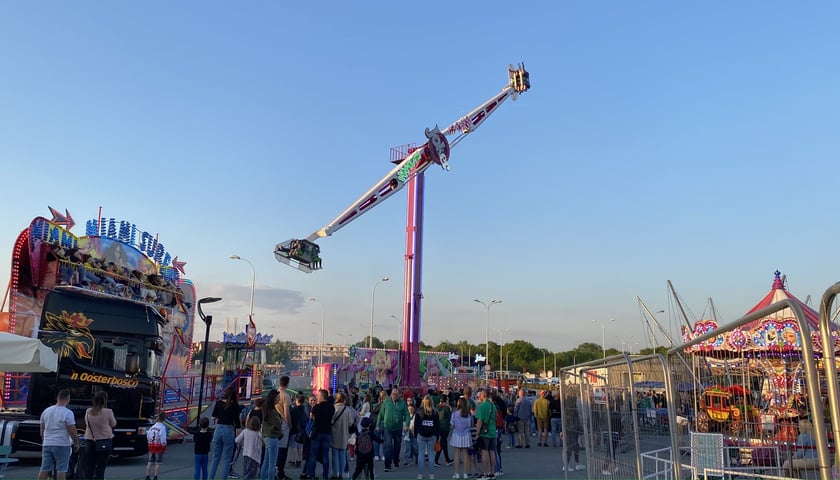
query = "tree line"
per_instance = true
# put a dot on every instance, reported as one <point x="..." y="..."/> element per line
<point x="517" y="355"/>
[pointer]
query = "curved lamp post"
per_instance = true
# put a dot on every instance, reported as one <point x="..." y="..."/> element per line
<point x="208" y="320"/>
<point x="372" y="306"/>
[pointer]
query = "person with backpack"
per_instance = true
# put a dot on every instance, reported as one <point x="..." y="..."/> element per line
<point x="364" y="450"/>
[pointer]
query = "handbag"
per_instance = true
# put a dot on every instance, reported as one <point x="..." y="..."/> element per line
<point x="437" y="445"/>
<point x="101" y="445"/>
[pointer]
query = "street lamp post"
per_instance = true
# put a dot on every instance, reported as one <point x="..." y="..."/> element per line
<point x="545" y="372"/>
<point x="253" y="284"/>
<point x="487" y="328"/>
<point x="345" y="337"/>
<point x="208" y="320"/>
<point x="321" y="338"/>
<point x="501" y="364"/>
<point x="372" y="307"/>
<point x="603" y="335"/>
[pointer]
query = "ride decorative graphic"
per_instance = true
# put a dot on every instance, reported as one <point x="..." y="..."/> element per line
<point x="69" y="335"/>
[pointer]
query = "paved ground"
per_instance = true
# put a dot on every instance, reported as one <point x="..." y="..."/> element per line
<point x="520" y="463"/>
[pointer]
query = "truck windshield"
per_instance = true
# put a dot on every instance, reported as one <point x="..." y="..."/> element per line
<point x="118" y="354"/>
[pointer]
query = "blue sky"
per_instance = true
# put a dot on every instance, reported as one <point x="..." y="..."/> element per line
<point x="660" y="140"/>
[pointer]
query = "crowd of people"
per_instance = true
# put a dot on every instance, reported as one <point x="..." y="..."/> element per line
<point x="324" y="434"/>
<point x="330" y="432"/>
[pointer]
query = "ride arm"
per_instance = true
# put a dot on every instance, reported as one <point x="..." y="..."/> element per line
<point x="434" y="150"/>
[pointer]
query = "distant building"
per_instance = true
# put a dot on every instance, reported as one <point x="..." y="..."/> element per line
<point x="306" y="354"/>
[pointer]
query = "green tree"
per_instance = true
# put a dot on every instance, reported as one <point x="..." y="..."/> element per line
<point x="280" y="351"/>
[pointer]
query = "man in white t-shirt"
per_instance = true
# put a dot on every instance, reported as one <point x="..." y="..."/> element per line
<point x="58" y="437"/>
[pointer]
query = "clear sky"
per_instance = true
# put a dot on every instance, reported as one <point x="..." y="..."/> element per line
<point x="695" y="142"/>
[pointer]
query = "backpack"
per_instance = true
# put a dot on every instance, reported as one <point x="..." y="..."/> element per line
<point x="364" y="444"/>
<point x="500" y="419"/>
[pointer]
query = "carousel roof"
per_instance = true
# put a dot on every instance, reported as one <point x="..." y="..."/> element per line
<point x="776" y="294"/>
<point x="778" y="331"/>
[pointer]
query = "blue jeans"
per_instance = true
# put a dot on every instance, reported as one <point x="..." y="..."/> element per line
<point x="556" y="428"/>
<point x="272" y="446"/>
<point x="200" y="472"/>
<point x="339" y="460"/>
<point x="425" y="445"/>
<point x="320" y="449"/>
<point x="393" y="438"/>
<point x="55" y="457"/>
<point x="221" y="450"/>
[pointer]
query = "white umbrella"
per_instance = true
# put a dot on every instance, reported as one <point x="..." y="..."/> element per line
<point x="25" y="354"/>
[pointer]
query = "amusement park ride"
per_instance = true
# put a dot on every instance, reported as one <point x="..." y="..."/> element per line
<point x="304" y="254"/>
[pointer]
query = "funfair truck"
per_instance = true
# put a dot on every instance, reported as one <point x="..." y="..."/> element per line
<point x="115" y="308"/>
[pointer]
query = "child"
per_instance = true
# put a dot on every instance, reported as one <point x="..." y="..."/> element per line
<point x="202" y="440"/>
<point x="410" y="440"/>
<point x="251" y="443"/>
<point x="364" y="450"/>
<point x="156" y="438"/>
<point x="511" y="426"/>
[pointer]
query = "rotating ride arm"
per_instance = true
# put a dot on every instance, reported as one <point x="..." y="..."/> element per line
<point x="304" y="254"/>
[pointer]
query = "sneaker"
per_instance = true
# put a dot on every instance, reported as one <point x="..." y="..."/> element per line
<point x="456" y="476"/>
<point x="387" y="469"/>
<point x="432" y="477"/>
<point x="420" y="477"/>
<point x="570" y="469"/>
<point x="437" y="464"/>
<point x="450" y="462"/>
<point x="507" y="446"/>
<point x="580" y="467"/>
<point x="606" y="472"/>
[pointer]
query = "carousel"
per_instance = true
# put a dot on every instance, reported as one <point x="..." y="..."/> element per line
<point x="749" y="381"/>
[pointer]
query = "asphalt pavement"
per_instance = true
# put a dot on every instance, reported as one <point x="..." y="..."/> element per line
<point x="519" y="463"/>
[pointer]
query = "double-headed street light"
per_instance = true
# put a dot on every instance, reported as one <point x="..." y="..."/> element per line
<point x="208" y="320"/>
<point x="321" y="339"/>
<point x="372" y="307"/>
<point x="487" y="329"/>
<point x="603" y="335"/>
<point x="253" y="284"/>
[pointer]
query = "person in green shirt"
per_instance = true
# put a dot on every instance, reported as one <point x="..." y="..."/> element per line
<point x="393" y="421"/>
<point x="485" y="417"/>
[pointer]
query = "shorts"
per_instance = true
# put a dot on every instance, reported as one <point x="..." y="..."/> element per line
<point x="55" y="458"/>
<point x="156" y="457"/>
<point x="542" y="424"/>
<point x="485" y="443"/>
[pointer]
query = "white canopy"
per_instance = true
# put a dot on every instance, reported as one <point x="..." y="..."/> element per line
<point x="25" y="354"/>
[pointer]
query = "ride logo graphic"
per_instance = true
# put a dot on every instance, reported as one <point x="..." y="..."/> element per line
<point x="68" y="334"/>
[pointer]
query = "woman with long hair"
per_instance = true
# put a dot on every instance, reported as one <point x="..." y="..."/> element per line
<point x="427" y="429"/>
<point x="461" y="438"/>
<point x="272" y="430"/>
<point x="226" y="414"/>
<point x="343" y="417"/>
<point x="99" y="425"/>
